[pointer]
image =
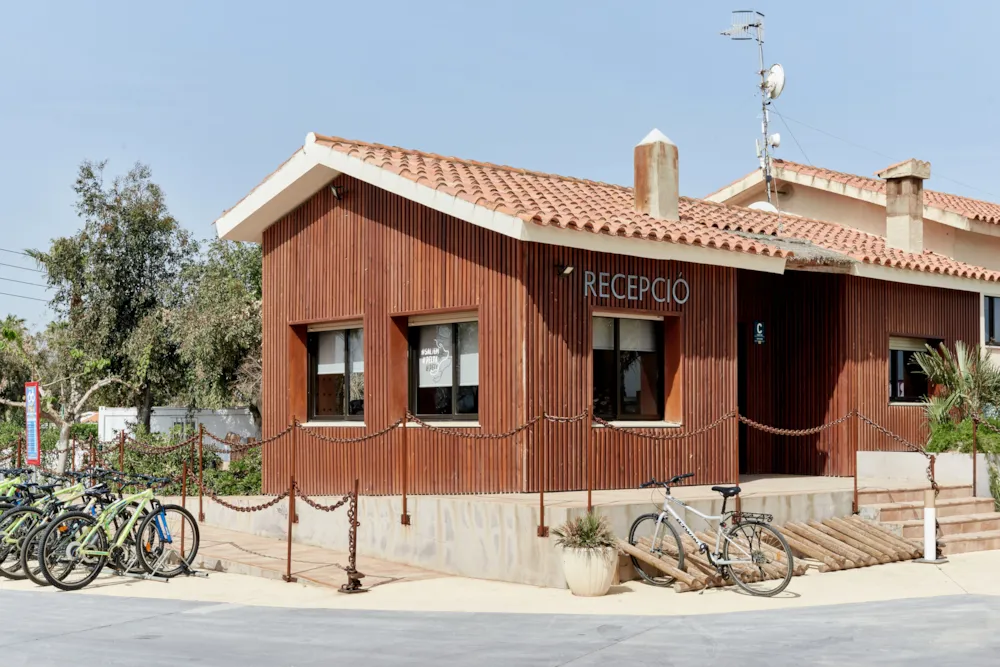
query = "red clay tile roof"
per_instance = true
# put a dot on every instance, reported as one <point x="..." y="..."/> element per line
<point x="572" y="203"/>
<point x="974" y="209"/>
<point x="546" y="199"/>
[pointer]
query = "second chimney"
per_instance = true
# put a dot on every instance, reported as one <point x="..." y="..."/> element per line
<point x="656" y="176"/>
<point x="904" y="204"/>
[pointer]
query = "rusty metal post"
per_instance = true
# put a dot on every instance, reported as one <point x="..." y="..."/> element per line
<point x="543" y="530"/>
<point x="93" y="456"/>
<point x="19" y="464"/>
<point x="590" y="465"/>
<point x="72" y="459"/>
<point x="404" y="519"/>
<point x="184" y="486"/>
<point x="291" y="520"/>
<point x="201" y="472"/>
<point x="975" y="430"/>
<point x="121" y="450"/>
<point x="295" y="466"/>
<point x="354" y="577"/>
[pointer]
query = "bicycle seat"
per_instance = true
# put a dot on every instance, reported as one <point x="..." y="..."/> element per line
<point x="727" y="491"/>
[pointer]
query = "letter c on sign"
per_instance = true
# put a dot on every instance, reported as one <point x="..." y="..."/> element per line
<point x="656" y="298"/>
<point x="615" y="291"/>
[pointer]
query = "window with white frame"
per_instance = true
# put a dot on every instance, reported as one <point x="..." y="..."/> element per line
<point x="336" y="374"/>
<point x="444" y="370"/>
<point x="628" y="368"/>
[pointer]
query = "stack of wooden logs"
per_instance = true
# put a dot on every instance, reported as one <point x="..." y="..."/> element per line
<point x="835" y="544"/>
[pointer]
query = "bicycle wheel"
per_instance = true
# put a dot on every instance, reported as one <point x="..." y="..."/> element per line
<point x="126" y="558"/>
<point x="662" y="541"/>
<point x="168" y="541"/>
<point x="29" y="555"/>
<point x="762" y="562"/>
<point x="61" y="554"/>
<point x="15" y="524"/>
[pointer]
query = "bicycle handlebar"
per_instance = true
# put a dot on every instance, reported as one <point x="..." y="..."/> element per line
<point x="673" y="480"/>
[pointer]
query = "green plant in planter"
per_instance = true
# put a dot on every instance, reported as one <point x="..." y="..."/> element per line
<point x="590" y="531"/>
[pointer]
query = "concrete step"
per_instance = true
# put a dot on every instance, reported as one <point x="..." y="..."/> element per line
<point x="950" y="525"/>
<point x="965" y="542"/>
<point x="905" y="511"/>
<point x="913" y="493"/>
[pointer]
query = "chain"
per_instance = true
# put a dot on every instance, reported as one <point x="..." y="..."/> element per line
<point x="244" y="447"/>
<point x="473" y="436"/>
<point x="315" y="505"/>
<point x="146" y="448"/>
<point x="795" y="432"/>
<point x="344" y="441"/>
<point x="566" y="420"/>
<point x="244" y="508"/>
<point x="667" y="436"/>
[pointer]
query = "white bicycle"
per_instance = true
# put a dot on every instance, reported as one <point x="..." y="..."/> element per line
<point x="753" y="553"/>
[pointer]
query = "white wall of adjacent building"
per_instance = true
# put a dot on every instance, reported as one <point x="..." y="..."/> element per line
<point x="220" y="422"/>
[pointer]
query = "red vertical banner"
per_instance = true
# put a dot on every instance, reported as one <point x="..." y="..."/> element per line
<point x="32" y="424"/>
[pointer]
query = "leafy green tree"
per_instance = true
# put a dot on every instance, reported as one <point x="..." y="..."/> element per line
<point x="116" y="281"/>
<point x="218" y="327"/>
<point x="68" y="377"/>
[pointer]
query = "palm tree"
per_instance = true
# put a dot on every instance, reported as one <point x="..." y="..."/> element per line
<point x="967" y="382"/>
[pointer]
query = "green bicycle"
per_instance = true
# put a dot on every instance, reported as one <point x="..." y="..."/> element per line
<point x="43" y="502"/>
<point x="76" y="545"/>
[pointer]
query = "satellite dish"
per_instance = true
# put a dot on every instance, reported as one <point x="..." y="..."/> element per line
<point x="774" y="82"/>
<point x="763" y="206"/>
<point x="775" y="140"/>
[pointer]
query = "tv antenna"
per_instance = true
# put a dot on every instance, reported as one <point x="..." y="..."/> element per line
<point x="748" y="24"/>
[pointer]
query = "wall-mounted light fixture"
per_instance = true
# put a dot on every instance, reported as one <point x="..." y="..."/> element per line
<point x="338" y="191"/>
<point x="564" y="269"/>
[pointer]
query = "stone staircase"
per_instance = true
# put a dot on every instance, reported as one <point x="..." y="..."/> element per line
<point x="967" y="523"/>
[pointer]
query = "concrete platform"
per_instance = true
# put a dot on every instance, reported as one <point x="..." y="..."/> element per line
<point x="495" y="536"/>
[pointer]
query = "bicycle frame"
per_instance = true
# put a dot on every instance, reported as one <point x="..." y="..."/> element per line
<point x="714" y="557"/>
<point x="106" y="518"/>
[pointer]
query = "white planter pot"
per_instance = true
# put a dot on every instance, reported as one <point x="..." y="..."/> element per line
<point x="589" y="572"/>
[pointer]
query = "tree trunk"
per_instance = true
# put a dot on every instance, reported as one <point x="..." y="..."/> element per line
<point x="64" y="438"/>
<point x="145" y="415"/>
<point x="258" y="421"/>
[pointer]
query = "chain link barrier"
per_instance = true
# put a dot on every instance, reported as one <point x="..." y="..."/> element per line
<point x="636" y="431"/>
<point x="565" y="420"/>
<point x="346" y="441"/>
<point x="476" y="436"/>
<point x="774" y="430"/>
<point x="146" y="448"/>
<point x="243" y="447"/>
<point x="317" y="506"/>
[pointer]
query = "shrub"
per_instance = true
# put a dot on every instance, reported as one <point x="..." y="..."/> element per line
<point x="951" y="437"/>
<point x="590" y="531"/>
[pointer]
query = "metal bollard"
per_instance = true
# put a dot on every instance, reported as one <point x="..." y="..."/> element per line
<point x="930" y="530"/>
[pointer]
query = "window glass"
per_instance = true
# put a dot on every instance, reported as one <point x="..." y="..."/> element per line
<point x="907" y="383"/>
<point x="991" y="310"/>
<point x="628" y="368"/>
<point x="337" y="374"/>
<point x="330" y="374"/>
<point x="447" y="369"/>
<point x="467" y="401"/>
<point x="356" y="352"/>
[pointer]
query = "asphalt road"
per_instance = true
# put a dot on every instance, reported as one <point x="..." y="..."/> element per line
<point x="55" y="629"/>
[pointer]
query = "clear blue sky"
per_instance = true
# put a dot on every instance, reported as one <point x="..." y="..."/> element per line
<point x="214" y="95"/>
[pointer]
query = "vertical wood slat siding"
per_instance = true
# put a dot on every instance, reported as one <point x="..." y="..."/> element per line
<point x="901" y="310"/>
<point x="826" y="353"/>
<point x="560" y="379"/>
<point x="373" y="255"/>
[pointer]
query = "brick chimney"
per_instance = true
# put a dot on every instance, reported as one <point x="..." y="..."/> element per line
<point x="904" y="204"/>
<point x="656" y="176"/>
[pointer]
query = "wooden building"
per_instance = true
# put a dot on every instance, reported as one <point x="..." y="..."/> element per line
<point x="479" y="297"/>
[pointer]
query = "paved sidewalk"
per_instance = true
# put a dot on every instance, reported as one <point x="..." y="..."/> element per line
<point x="241" y="553"/>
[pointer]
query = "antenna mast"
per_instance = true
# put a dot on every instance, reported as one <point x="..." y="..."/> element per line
<point x="748" y="24"/>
